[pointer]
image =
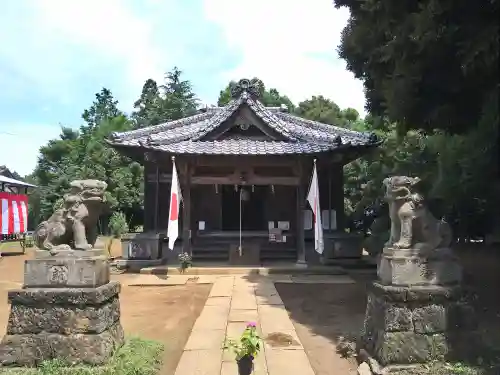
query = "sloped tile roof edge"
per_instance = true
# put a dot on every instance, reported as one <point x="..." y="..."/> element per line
<point x="193" y="128"/>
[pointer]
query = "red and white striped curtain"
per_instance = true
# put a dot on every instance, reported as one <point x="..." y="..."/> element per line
<point x="13" y="213"/>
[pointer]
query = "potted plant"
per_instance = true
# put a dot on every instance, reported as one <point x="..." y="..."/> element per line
<point x="185" y="261"/>
<point x="246" y="348"/>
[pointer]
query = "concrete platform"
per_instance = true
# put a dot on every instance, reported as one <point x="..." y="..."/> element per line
<point x="135" y="265"/>
<point x="264" y="271"/>
<point x="221" y="293"/>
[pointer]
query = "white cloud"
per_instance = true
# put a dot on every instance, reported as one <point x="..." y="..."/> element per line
<point x="64" y="41"/>
<point x="290" y="45"/>
<point x="110" y="28"/>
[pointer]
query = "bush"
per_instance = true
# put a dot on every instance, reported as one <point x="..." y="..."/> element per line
<point x="136" y="357"/>
<point x="118" y="224"/>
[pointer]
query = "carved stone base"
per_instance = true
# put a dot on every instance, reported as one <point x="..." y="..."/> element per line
<point x="58" y="272"/>
<point x="68" y="309"/>
<point x="32" y="349"/>
<point x="408" y="325"/>
<point x="96" y="252"/>
<point x="79" y="325"/>
<point x="418" y="267"/>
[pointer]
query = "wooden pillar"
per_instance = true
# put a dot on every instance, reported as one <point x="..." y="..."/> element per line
<point x="157" y="197"/>
<point x="329" y="198"/>
<point x="338" y="191"/>
<point x="301" y="198"/>
<point x="186" y="209"/>
<point x="149" y="195"/>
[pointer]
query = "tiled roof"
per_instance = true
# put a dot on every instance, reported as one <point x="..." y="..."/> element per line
<point x="186" y="136"/>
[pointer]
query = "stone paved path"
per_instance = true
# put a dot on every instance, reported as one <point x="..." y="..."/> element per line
<point x="234" y="301"/>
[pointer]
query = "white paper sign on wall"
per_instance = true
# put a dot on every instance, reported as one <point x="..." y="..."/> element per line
<point x="308" y="219"/>
<point x="284" y="225"/>
<point x="329" y="219"/>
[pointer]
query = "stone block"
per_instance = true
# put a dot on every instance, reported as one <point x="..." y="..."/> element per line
<point x="31" y="349"/>
<point x="417" y="324"/>
<point x="409" y="347"/>
<point x="65" y="296"/>
<point x="142" y="246"/>
<point x="58" y="272"/>
<point x="430" y="319"/>
<point x="96" y="252"/>
<point x="397" y="318"/>
<point x="411" y="267"/>
<point x="416" y="293"/>
<point x="69" y="319"/>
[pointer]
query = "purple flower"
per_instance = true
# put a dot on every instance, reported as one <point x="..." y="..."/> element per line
<point x="251" y="325"/>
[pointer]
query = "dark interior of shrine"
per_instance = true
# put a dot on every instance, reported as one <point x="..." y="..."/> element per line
<point x="252" y="208"/>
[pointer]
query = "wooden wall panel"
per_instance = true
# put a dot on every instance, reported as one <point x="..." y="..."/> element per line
<point x="206" y="206"/>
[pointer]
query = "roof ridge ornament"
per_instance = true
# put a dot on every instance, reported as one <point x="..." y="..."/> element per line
<point x="252" y="87"/>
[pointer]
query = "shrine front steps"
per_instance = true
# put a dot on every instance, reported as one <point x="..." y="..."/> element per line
<point x="246" y="270"/>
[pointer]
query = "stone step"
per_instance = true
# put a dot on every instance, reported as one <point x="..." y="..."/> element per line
<point x="211" y="269"/>
<point x="278" y="256"/>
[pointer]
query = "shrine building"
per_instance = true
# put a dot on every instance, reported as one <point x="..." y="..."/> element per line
<point x="244" y="171"/>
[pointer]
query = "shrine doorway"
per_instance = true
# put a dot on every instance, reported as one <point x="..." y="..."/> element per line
<point x="252" y="205"/>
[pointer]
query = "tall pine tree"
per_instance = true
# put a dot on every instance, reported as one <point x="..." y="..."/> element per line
<point x="171" y="101"/>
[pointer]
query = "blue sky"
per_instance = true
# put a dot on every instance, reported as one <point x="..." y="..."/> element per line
<point x="57" y="54"/>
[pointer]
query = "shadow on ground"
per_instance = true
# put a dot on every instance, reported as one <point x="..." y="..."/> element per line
<point x="166" y="315"/>
<point x="327" y="315"/>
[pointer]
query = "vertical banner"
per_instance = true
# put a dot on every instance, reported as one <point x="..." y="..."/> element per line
<point x="173" y="216"/>
<point x="313" y="199"/>
<point x="13" y="213"/>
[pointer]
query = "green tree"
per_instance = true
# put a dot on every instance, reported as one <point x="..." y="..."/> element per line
<point x="104" y="107"/>
<point x="118" y="224"/>
<point x="171" y="101"/>
<point x="179" y="100"/>
<point x="148" y="106"/>
<point x="425" y="64"/>
<point x="321" y="109"/>
<point x="84" y="154"/>
<point x="270" y="98"/>
<point x="4" y="171"/>
<point x="457" y="171"/>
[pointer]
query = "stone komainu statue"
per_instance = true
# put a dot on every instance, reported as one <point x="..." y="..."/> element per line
<point x="412" y="224"/>
<point x="75" y="224"/>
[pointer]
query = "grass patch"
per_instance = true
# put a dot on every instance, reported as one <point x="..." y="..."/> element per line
<point x="449" y="369"/>
<point x="135" y="357"/>
<point x="485" y="361"/>
<point x="455" y="368"/>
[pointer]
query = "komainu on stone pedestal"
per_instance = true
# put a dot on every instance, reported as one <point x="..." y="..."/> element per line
<point x="416" y="312"/>
<point x="412" y="224"/>
<point x="68" y="309"/>
<point x="74" y="225"/>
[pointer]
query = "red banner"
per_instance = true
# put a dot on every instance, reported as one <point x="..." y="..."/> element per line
<point x="13" y="213"/>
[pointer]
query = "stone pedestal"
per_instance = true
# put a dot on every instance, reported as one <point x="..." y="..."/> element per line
<point x="141" y="250"/>
<point x="68" y="309"/>
<point x="342" y="246"/>
<point x="96" y="252"/>
<point x="406" y="325"/>
<point x="416" y="312"/>
<point x="419" y="267"/>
